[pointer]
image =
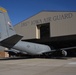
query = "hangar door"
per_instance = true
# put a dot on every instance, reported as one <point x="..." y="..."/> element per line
<point x="44" y="30"/>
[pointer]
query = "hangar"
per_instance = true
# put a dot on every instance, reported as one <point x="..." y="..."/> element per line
<point x="48" y="24"/>
<point x="55" y="28"/>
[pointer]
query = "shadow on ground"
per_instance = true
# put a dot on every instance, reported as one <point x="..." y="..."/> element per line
<point x="21" y="58"/>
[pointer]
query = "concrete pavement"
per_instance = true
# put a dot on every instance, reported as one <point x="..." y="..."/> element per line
<point x="37" y="66"/>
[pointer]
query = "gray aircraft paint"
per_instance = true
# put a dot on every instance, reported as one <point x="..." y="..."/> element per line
<point x="32" y="48"/>
<point x="7" y="30"/>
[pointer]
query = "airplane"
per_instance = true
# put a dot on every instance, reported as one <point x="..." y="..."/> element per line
<point x="12" y="41"/>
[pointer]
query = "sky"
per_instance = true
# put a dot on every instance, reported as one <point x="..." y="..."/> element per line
<point x="20" y="10"/>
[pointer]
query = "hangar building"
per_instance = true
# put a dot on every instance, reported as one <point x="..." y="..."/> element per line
<point x="48" y="24"/>
<point x="49" y="27"/>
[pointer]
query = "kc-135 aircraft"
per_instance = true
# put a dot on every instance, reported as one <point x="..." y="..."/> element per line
<point x="12" y="41"/>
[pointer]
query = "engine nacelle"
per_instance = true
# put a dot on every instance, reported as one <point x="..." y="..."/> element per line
<point x="64" y="53"/>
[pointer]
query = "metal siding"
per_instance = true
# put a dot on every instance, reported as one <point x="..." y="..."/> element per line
<point x="64" y="27"/>
<point x="27" y="28"/>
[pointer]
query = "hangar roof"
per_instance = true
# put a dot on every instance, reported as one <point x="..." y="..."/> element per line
<point x="45" y="12"/>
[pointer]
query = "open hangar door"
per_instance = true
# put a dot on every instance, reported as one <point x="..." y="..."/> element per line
<point x="43" y="30"/>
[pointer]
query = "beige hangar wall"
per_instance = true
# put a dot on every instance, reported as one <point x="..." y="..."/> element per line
<point x="61" y="23"/>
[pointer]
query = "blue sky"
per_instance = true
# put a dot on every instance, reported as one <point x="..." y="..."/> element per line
<point x="20" y="10"/>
